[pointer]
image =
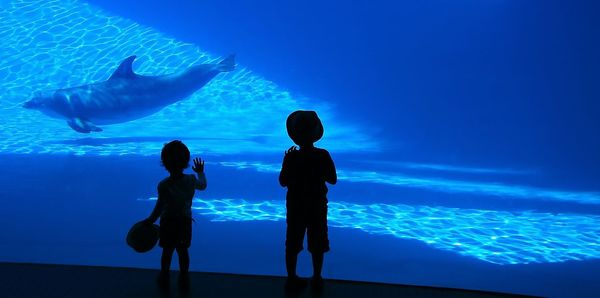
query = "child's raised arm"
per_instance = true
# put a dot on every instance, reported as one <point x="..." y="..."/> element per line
<point x="330" y="172"/>
<point x="283" y="175"/>
<point x="198" y="167"/>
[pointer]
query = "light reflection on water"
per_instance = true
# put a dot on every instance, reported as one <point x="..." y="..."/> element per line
<point x="498" y="237"/>
<point x="54" y="44"/>
<point x="440" y="184"/>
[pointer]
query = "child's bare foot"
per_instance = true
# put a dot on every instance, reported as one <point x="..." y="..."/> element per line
<point x="184" y="281"/>
<point x="316" y="283"/>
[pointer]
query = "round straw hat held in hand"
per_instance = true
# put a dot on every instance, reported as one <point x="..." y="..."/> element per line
<point x="143" y="236"/>
<point x="304" y="127"/>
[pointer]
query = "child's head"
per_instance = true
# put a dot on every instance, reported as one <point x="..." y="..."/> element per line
<point x="304" y="127"/>
<point x="175" y="156"/>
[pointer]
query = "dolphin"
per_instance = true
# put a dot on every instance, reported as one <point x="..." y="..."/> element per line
<point x="125" y="96"/>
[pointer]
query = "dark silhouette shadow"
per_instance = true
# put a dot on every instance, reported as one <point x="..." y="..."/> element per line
<point x="305" y="172"/>
<point x="66" y="281"/>
<point x="174" y="208"/>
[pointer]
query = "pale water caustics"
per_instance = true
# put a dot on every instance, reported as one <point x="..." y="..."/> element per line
<point x="55" y="45"/>
<point x="499" y="237"/>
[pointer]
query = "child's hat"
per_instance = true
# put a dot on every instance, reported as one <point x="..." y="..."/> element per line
<point x="304" y="127"/>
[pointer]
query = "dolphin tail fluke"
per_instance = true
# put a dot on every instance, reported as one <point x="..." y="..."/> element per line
<point x="227" y="64"/>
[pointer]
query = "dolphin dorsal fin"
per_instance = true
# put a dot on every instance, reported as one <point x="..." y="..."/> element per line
<point x="124" y="70"/>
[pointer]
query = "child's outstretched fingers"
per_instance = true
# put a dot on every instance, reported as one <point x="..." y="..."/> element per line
<point x="198" y="165"/>
<point x="293" y="148"/>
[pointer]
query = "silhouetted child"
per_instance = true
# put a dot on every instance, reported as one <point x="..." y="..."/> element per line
<point x="173" y="206"/>
<point x="304" y="172"/>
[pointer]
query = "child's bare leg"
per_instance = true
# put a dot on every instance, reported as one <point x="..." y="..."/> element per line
<point x="290" y="263"/>
<point x="165" y="260"/>
<point x="184" y="259"/>
<point x="317" y="261"/>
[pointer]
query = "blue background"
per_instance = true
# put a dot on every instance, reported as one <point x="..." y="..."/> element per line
<point x="465" y="134"/>
<point x="500" y="83"/>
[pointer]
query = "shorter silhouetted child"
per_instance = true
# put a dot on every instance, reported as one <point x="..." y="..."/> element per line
<point x="173" y="206"/>
<point x="304" y="173"/>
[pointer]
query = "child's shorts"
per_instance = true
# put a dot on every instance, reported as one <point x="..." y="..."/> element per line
<point x="175" y="232"/>
<point x="313" y="220"/>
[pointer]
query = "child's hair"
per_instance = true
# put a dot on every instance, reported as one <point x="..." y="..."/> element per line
<point x="175" y="156"/>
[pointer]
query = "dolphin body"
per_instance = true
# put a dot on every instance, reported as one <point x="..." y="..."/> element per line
<point x="125" y="96"/>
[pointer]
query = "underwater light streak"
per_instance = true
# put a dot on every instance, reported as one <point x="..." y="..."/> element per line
<point x="458" y="169"/>
<point x="48" y="45"/>
<point x="498" y="237"/>
<point x="441" y="185"/>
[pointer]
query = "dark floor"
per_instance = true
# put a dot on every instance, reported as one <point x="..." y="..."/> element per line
<point x="39" y="280"/>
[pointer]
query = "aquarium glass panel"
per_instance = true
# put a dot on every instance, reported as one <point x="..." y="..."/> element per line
<point x="464" y="135"/>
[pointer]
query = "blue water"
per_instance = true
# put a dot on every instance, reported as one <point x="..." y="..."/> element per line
<point x="464" y="134"/>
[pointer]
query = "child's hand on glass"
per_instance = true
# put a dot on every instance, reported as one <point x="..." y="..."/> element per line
<point x="293" y="148"/>
<point x="198" y="165"/>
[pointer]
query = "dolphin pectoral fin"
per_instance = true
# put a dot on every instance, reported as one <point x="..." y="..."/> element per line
<point x="125" y="69"/>
<point x="77" y="126"/>
<point x="94" y="128"/>
<point x="82" y="126"/>
<point x="227" y="64"/>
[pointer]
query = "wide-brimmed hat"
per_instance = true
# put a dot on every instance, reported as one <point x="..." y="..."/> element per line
<point x="304" y="127"/>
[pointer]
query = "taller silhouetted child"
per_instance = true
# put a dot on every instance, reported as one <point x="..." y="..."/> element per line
<point x="175" y="195"/>
<point x="304" y="173"/>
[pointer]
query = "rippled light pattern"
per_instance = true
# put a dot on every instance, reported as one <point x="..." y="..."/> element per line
<point x="441" y="185"/>
<point x="457" y="169"/>
<point x="498" y="237"/>
<point x="53" y="44"/>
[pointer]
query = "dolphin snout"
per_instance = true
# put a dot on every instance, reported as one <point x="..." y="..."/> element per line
<point x="28" y="104"/>
<point x="31" y="104"/>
